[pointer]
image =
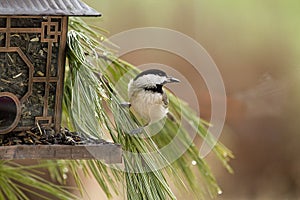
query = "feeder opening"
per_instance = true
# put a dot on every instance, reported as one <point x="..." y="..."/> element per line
<point x="8" y="113"/>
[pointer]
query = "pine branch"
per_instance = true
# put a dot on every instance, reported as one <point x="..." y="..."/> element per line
<point x="90" y="100"/>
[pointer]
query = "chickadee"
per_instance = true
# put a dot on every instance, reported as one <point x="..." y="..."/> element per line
<point x="147" y="97"/>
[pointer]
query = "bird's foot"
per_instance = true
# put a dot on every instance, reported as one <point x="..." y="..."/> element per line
<point x="125" y="104"/>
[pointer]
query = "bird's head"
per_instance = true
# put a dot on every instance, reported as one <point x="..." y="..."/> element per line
<point x="152" y="78"/>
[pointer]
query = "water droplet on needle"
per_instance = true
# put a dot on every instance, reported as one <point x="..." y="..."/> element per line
<point x="220" y="191"/>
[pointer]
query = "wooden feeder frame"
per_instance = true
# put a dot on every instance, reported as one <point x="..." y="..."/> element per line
<point x="53" y="30"/>
<point x="53" y="17"/>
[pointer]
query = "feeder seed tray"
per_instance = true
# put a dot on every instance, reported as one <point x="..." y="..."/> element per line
<point x="44" y="143"/>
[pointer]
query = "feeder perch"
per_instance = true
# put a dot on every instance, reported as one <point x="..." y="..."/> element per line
<point x="32" y="61"/>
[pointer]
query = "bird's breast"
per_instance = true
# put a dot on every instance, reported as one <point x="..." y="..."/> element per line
<point x="149" y="105"/>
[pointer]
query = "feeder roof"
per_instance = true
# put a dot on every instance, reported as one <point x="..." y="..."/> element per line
<point x="46" y="7"/>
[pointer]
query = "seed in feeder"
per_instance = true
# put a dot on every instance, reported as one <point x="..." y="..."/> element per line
<point x="5" y="81"/>
<point x="15" y="35"/>
<point x="16" y="76"/>
<point x="10" y="59"/>
<point x="26" y="114"/>
<point x="40" y="73"/>
<point x="36" y="39"/>
<point x="41" y="52"/>
<point x="21" y="134"/>
<point x="28" y="140"/>
<point x="70" y="141"/>
<point x="17" y="141"/>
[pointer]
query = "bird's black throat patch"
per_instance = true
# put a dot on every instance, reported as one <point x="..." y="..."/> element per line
<point x="157" y="89"/>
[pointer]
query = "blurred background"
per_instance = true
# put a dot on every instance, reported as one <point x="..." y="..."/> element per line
<point x="256" y="46"/>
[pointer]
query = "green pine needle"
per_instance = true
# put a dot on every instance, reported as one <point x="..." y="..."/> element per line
<point x="14" y="178"/>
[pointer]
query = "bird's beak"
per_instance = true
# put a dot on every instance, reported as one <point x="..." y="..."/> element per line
<point x="173" y="80"/>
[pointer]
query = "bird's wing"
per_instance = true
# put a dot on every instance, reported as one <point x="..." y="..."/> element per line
<point x="165" y="99"/>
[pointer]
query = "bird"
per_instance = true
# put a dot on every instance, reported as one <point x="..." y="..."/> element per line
<point x="147" y="98"/>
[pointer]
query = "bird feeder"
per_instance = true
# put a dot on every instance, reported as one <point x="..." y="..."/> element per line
<point x="32" y="61"/>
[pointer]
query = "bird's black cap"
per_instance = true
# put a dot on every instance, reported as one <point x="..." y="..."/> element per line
<point x="151" y="71"/>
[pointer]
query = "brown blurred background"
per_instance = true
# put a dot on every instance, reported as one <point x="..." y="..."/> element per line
<point x="256" y="46"/>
